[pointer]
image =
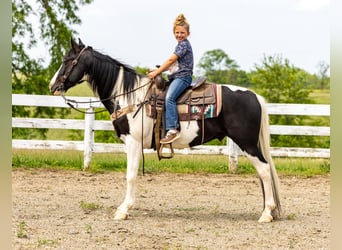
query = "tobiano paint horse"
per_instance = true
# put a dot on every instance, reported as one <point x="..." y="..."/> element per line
<point x="243" y="118"/>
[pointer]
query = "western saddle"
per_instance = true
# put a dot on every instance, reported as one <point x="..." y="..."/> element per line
<point x="200" y="101"/>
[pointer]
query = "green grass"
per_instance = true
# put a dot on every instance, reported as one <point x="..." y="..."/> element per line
<point x="88" y="207"/>
<point x="22" y="230"/>
<point x="320" y="96"/>
<point x="179" y="164"/>
<point x="80" y="90"/>
<point x="188" y="164"/>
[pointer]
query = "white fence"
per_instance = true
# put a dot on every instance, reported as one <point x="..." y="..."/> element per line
<point x="89" y="125"/>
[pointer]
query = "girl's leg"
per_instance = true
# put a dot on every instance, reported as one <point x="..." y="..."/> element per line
<point x="176" y="88"/>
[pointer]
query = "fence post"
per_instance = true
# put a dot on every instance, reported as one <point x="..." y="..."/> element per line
<point x="232" y="155"/>
<point x="89" y="119"/>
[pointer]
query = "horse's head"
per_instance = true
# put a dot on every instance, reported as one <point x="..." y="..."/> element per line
<point x="73" y="69"/>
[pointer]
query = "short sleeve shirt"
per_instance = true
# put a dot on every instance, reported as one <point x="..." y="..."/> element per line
<point x="185" y="60"/>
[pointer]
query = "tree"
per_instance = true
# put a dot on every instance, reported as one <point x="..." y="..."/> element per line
<point x="280" y="82"/>
<point x="323" y="77"/>
<point x="237" y="77"/>
<point x="29" y="75"/>
<point x="55" y="19"/>
<point x="215" y="64"/>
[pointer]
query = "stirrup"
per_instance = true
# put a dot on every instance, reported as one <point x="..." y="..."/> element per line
<point x="160" y="152"/>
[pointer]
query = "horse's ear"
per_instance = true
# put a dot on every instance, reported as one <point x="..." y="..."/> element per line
<point x="74" y="45"/>
<point x="80" y="44"/>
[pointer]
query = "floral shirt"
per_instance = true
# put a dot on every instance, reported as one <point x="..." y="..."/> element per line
<point x="185" y="62"/>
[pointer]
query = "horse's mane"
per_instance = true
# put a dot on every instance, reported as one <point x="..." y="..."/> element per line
<point x="104" y="73"/>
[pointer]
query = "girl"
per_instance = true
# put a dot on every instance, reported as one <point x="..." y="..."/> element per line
<point x="180" y="65"/>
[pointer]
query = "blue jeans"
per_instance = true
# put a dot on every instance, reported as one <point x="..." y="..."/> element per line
<point x="176" y="88"/>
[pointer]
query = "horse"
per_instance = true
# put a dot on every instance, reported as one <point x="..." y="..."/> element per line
<point x="243" y="118"/>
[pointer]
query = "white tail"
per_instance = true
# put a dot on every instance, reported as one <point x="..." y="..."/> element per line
<point x="264" y="145"/>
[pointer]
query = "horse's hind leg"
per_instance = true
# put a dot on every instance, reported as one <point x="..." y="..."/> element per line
<point x="133" y="157"/>
<point x="264" y="173"/>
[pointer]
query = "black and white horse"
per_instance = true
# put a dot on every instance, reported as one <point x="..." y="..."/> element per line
<point x="243" y="118"/>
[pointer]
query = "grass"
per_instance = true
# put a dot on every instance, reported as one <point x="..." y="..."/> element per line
<point x="22" y="229"/>
<point x="102" y="162"/>
<point x="188" y="164"/>
<point x="80" y="90"/>
<point x="47" y="243"/>
<point x="88" y="207"/>
<point x="320" y="96"/>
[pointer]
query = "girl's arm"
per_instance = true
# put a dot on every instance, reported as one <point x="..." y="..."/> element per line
<point x="165" y="66"/>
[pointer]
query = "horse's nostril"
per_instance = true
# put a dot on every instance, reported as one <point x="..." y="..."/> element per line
<point x="57" y="93"/>
<point x="56" y="89"/>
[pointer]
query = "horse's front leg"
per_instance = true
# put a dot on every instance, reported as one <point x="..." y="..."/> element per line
<point x="133" y="148"/>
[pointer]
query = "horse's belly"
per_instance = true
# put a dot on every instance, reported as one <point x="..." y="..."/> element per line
<point x="188" y="132"/>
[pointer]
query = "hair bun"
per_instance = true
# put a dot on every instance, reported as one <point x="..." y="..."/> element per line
<point x="181" y="21"/>
<point x="180" y="18"/>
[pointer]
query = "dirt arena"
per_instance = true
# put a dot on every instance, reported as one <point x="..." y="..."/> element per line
<point x="75" y="210"/>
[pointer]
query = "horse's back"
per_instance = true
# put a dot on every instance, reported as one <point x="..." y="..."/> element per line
<point x="241" y="114"/>
<point x="240" y="100"/>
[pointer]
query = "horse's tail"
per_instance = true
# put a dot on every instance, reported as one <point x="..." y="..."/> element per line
<point x="264" y="145"/>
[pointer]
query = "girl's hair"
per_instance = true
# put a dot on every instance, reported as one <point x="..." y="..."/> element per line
<point x="181" y="21"/>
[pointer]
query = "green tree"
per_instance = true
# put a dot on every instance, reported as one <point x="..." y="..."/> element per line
<point x="55" y="20"/>
<point x="219" y="68"/>
<point x="29" y="75"/>
<point x="238" y="77"/>
<point x="280" y="82"/>
<point x="215" y="64"/>
<point x="324" y="79"/>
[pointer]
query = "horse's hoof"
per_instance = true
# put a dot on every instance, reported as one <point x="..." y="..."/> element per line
<point x="120" y="216"/>
<point x="265" y="218"/>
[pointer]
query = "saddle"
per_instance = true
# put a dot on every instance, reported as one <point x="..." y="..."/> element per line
<point x="200" y="101"/>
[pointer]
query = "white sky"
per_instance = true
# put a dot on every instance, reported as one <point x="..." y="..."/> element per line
<point x="139" y="33"/>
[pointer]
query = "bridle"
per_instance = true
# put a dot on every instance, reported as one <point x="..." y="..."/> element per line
<point x="73" y="64"/>
<point x="139" y="106"/>
<point x="72" y="102"/>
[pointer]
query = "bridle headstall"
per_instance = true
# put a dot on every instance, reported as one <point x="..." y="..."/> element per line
<point x="117" y="113"/>
<point x="73" y="64"/>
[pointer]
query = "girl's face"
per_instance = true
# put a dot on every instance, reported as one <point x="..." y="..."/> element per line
<point x="181" y="33"/>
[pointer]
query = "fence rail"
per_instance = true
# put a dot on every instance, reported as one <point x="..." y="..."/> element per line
<point x="89" y="125"/>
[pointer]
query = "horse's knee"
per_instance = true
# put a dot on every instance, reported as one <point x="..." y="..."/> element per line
<point x="131" y="178"/>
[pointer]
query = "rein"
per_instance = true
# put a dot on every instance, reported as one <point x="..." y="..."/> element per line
<point x="72" y="102"/>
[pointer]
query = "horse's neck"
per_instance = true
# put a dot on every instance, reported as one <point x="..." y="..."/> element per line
<point x="137" y="93"/>
<point x="126" y="87"/>
<point x="118" y="88"/>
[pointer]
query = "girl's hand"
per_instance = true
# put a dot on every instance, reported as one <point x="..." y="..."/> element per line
<point x="152" y="74"/>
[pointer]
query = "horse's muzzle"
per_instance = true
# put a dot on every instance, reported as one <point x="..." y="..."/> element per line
<point x="56" y="90"/>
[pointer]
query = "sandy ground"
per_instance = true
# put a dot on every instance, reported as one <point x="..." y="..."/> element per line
<point x="75" y="210"/>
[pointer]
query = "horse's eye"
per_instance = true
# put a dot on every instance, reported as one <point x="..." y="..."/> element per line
<point x="67" y="59"/>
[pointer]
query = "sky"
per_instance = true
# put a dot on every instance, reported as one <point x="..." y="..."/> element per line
<point x="139" y="33"/>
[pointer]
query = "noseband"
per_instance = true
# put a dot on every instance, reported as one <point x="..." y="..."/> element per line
<point x="73" y="64"/>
